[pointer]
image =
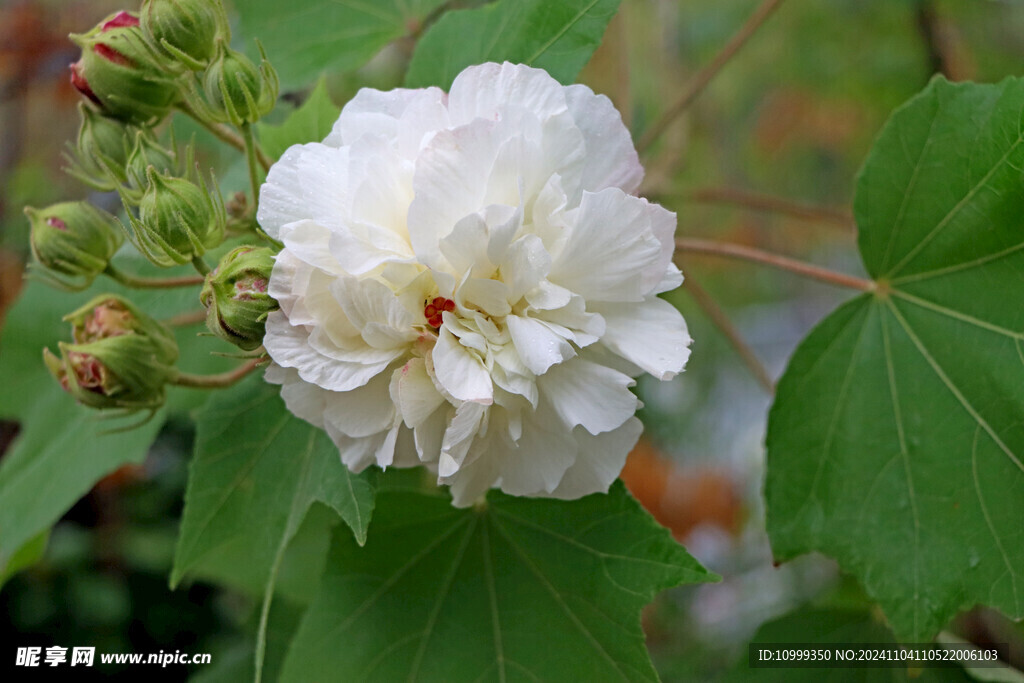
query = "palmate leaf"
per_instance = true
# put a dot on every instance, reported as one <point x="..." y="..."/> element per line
<point x="518" y="589"/>
<point x="896" y="440"/>
<point x="313" y="37"/>
<point x="556" y="36"/>
<point x="257" y="470"/>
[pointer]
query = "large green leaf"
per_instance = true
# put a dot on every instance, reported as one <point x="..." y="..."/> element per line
<point x="317" y="36"/>
<point x="309" y="123"/>
<point x="896" y="440"/>
<point x="517" y="589"/>
<point x="256" y="471"/>
<point x="556" y="36"/>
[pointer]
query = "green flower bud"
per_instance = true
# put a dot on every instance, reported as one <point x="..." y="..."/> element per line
<point x="146" y="152"/>
<point x="178" y="220"/>
<point x="185" y="29"/>
<point x="121" y="358"/>
<point x="237" y="90"/>
<point x="119" y="72"/>
<point x="73" y="239"/>
<point x="236" y="299"/>
<point x="101" y="151"/>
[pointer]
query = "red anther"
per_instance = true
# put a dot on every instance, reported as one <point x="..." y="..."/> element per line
<point x="57" y="223"/>
<point x="435" y="308"/>
<point x="120" y="20"/>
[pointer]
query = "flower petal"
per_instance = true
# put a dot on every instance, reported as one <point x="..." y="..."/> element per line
<point x="459" y="370"/>
<point x="413" y="392"/>
<point x="599" y="461"/>
<point x="588" y="394"/>
<point x="651" y="334"/>
<point x="538" y="346"/>
<point x="307" y="182"/>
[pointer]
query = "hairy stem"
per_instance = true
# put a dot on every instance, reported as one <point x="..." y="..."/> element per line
<point x="225" y="134"/>
<point x="221" y="381"/>
<point x="763" y="202"/>
<point x="718" y="317"/>
<point x="705" y="75"/>
<point x="202" y="266"/>
<point x="185" y="319"/>
<point x="137" y="282"/>
<point x="702" y="246"/>
<point x="252" y="152"/>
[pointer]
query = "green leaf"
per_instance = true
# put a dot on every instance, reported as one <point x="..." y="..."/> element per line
<point x="825" y="627"/>
<point x="256" y="471"/>
<point x="309" y="123"/>
<point x="517" y="589"/>
<point x="556" y="36"/>
<point x="896" y="440"/>
<point x="320" y="36"/>
<point x="25" y="556"/>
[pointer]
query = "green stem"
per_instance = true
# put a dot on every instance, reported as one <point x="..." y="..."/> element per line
<point x="201" y="266"/>
<point x="708" y="73"/>
<point x="767" y="258"/>
<point x="221" y="381"/>
<point x="224" y="134"/>
<point x="251" y="158"/>
<point x="151" y="282"/>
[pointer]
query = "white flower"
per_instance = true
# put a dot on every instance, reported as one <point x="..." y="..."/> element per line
<point x="467" y="282"/>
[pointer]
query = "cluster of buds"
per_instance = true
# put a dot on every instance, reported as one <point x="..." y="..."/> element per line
<point x="236" y="299"/>
<point x="120" y="357"/>
<point x="134" y="70"/>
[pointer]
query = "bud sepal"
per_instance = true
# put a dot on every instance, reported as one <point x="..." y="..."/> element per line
<point x="178" y="219"/>
<point x="74" y="241"/>
<point x="120" y="357"/>
<point x="235" y="90"/>
<point x="236" y="299"/>
<point x="185" y="30"/>
<point x="120" y="73"/>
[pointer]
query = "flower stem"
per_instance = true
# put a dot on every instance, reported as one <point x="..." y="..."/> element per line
<point x="251" y="151"/>
<point x="763" y="202"/>
<point x="705" y="75"/>
<point x="201" y="266"/>
<point x="774" y="260"/>
<point x="151" y="282"/>
<point x="224" y="134"/>
<point x="221" y="381"/>
<point x="186" y="319"/>
<point x="720" y="320"/>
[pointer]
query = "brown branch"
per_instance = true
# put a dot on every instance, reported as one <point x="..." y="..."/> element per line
<point x="223" y="380"/>
<point x="186" y="319"/>
<point x="720" y="320"/>
<point x="769" y="203"/>
<point x="702" y="246"/>
<point x="935" y="42"/>
<point x="705" y="75"/>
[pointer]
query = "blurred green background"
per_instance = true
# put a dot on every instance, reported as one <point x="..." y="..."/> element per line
<point x="790" y="117"/>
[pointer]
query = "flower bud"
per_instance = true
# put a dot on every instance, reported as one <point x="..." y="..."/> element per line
<point x="146" y="152"/>
<point x="178" y="220"/>
<point x="120" y="73"/>
<point x="235" y="296"/>
<point x="101" y="150"/>
<point x="185" y="29"/>
<point x="237" y="90"/>
<point x="120" y="358"/>
<point x="74" y="239"/>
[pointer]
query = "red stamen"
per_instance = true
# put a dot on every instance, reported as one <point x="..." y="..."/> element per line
<point x="434" y="309"/>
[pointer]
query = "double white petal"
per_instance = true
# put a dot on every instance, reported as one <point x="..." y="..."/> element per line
<point x="507" y="203"/>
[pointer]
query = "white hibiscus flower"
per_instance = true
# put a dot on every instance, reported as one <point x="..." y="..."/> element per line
<point x="467" y="283"/>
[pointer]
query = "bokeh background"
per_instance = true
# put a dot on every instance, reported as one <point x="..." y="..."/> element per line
<point x="766" y="157"/>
